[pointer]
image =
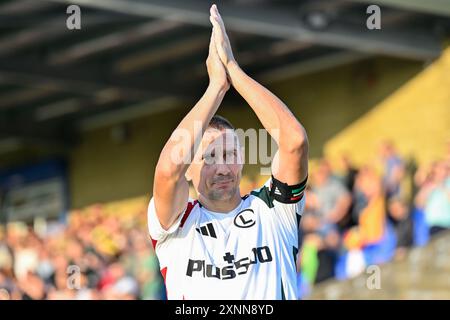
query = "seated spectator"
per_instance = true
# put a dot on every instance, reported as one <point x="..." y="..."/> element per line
<point x="394" y="170"/>
<point x="348" y="172"/>
<point x="370" y="242"/>
<point x="434" y="198"/>
<point x="331" y="199"/>
<point x="327" y="204"/>
<point x="399" y="216"/>
<point x="347" y="176"/>
<point x="371" y="220"/>
<point x="318" y="257"/>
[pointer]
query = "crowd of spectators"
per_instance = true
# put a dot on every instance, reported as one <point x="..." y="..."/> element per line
<point x="97" y="254"/>
<point x="356" y="217"/>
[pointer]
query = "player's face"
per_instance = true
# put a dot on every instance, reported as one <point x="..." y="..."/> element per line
<point x="216" y="173"/>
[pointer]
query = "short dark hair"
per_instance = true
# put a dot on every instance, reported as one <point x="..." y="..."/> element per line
<point x="220" y="123"/>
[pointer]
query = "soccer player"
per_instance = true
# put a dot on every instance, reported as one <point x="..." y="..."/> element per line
<point x="224" y="246"/>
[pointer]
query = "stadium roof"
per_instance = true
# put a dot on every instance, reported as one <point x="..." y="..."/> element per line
<point x="131" y="56"/>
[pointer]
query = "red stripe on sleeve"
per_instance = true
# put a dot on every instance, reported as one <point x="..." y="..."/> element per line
<point x="164" y="273"/>
<point x="189" y="208"/>
<point x="154" y="242"/>
<point x="188" y="211"/>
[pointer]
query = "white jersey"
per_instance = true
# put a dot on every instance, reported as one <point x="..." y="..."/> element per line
<point x="248" y="253"/>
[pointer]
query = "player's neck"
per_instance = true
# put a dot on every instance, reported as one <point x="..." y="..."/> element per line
<point x="222" y="206"/>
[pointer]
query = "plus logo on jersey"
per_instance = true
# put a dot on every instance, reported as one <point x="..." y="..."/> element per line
<point x="235" y="267"/>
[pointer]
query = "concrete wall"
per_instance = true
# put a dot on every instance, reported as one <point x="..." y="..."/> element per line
<point x="416" y="117"/>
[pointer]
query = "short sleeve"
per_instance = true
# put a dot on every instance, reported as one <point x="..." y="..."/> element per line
<point x="157" y="232"/>
<point x="288" y="202"/>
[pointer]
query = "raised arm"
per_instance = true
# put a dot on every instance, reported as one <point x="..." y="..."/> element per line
<point x="170" y="188"/>
<point x="290" y="164"/>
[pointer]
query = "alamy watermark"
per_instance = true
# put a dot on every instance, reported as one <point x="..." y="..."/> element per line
<point x="73" y="21"/>
<point x="373" y="22"/>
<point x="73" y="281"/>
<point x="373" y="281"/>
<point x="228" y="146"/>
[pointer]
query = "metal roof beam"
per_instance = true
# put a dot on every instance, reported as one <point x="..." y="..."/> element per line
<point x="281" y="23"/>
